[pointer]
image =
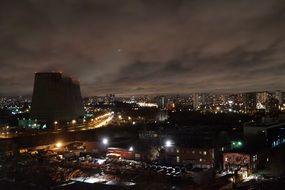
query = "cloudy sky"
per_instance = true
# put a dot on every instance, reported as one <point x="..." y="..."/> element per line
<point x="144" y="46"/>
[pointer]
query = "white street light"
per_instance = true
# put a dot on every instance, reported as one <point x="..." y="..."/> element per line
<point x="73" y="121"/>
<point x="168" y="143"/>
<point x="131" y="149"/>
<point x="105" y="141"/>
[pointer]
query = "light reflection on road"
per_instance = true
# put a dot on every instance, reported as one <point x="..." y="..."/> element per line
<point x="100" y="121"/>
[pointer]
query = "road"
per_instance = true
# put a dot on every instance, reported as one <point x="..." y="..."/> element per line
<point x="97" y="122"/>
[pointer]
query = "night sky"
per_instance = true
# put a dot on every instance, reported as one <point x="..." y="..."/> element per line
<point x="144" y="46"/>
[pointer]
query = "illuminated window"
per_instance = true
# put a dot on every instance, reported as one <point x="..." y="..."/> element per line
<point x="205" y="152"/>
<point x="200" y="159"/>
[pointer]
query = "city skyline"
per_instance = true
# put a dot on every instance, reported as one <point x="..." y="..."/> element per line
<point x="166" y="94"/>
<point x="142" y="94"/>
<point x="144" y="47"/>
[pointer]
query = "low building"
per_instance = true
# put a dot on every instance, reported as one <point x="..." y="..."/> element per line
<point x="244" y="162"/>
<point x="196" y="157"/>
<point x="271" y="134"/>
<point x="199" y="146"/>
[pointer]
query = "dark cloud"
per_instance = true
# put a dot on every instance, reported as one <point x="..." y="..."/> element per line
<point x="144" y="46"/>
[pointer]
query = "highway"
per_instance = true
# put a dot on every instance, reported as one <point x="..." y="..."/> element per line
<point x="97" y="122"/>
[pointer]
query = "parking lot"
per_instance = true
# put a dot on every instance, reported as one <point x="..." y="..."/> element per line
<point x="60" y="165"/>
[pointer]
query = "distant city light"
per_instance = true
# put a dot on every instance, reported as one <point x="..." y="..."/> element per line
<point x="143" y="104"/>
<point x="131" y="149"/>
<point x="230" y="102"/>
<point x="73" y="121"/>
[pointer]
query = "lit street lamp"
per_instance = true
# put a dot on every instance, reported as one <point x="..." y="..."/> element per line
<point x="58" y="145"/>
<point x="55" y="124"/>
<point x="105" y="141"/>
<point x="168" y="143"/>
<point x="73" y="122"/>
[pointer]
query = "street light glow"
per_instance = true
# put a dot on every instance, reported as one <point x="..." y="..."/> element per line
<point x="168" y="143"/>
<point x="237" y="144"/>
<point x="58" y="145"/>
<point x="105" y="141"/>
<point x="131" y="149"/>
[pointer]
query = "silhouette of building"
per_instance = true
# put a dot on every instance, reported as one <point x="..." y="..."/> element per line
<point x="250" y="102"/>
<point x="162" y="102"/>
<point x="56" y="98"/>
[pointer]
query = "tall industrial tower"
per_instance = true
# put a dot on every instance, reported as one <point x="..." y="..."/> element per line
<point x="56" y="98"/>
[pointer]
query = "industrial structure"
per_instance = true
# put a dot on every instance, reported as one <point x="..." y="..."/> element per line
<point x="56" y="98"/>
